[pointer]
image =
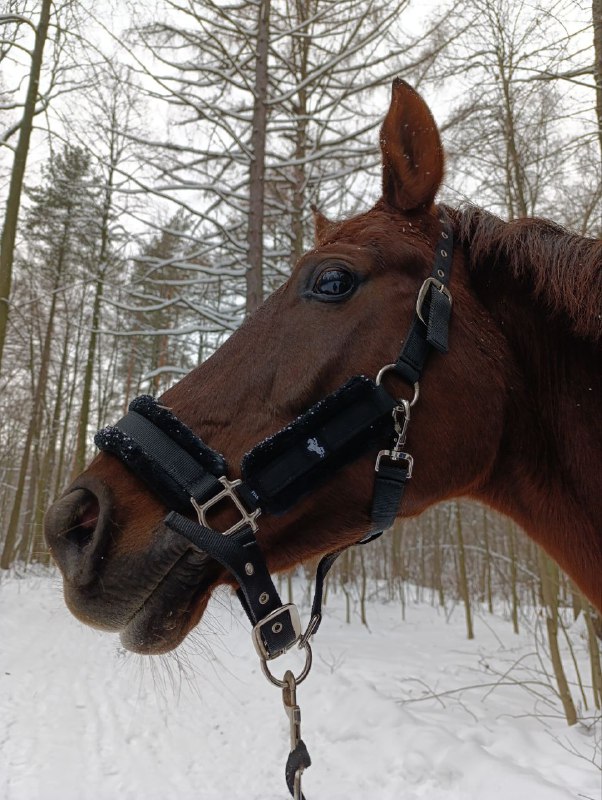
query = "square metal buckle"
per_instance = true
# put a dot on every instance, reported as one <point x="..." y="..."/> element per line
<point x="246" y="518"/>
<point x="258" y="641"/>
<point x="430" y="281"/>
<point x="395" y="455"/>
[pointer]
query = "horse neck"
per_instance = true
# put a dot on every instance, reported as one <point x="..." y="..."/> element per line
<point x="547" y="472"/>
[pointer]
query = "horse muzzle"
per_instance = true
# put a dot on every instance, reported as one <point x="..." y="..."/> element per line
<point x="152" y="597"/>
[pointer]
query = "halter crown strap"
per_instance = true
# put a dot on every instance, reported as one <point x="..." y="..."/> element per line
<point x="430" y="325"/>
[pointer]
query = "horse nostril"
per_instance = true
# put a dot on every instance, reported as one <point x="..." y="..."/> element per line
<point x="76" y="530"/>
<point x="82" y="531"/>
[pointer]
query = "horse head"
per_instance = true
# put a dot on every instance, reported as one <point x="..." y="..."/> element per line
<point x="344" y="311"/>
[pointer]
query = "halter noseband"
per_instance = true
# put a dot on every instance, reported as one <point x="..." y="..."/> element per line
<point x="182" y="471"/>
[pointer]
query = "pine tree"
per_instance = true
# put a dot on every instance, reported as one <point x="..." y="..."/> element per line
<point x="62" y="232"/>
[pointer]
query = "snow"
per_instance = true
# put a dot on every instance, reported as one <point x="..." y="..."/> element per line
<point x="80" y="718"/>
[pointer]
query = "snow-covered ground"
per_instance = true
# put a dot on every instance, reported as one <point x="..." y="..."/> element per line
<point x="80" y="718"/>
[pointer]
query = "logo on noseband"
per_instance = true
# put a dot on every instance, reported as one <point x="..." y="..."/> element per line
<point x="314" y="447"/>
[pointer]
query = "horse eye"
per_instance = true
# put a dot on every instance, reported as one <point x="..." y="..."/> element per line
<point x="334" y="282"/>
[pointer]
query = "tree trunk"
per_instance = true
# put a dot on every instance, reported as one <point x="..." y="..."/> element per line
<point x="68" y="404"/>
<point x="254" y="274"/>
<point x="301" y="121"/>
<point x="594" y="652"/>
<point x="549" y="587"/>
<point x="402" y="571"/>
<point x="33" y="433"/>
<point x="25" y="547"/>
<point x="363" y="588"/>
<point x="437" y="560"/>
<point x="597" y="20"/>
<point x="13" y="203"/>
<point x="464" y="590"/>
<point x="48" y="467"/>
<point x="79" y="458"/>
<point x="488" y="588"/>
<point x="512" y="149"/>
<point x="513" y="576"/>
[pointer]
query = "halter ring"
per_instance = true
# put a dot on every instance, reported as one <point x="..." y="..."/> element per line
<point x="387" y="368"/>
<point x="299" y="679"/>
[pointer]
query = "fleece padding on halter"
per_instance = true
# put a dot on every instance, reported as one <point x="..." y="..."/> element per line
<point x="332" y="433"/>
<point x="164" y="453"/>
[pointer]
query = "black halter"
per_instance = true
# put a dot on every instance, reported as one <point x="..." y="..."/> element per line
<point x="182" y="470"/>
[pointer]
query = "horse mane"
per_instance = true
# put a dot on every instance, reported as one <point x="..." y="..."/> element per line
<point x="563" y="270"/>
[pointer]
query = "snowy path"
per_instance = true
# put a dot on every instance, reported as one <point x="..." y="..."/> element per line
<point x="82" y="720"/>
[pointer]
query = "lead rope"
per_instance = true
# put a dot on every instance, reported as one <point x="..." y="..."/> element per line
<point x="298" y="758"/>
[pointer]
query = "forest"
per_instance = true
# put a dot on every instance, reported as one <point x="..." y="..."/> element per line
<point x="158" y="167"/>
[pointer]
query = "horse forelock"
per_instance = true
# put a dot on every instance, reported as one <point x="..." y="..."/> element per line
<point x="561" y="269"/>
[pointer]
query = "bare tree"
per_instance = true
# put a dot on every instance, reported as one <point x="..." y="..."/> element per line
<point x="597" y="25"/>
<point x="64" y="234"/>
<point x="254" y="274"/>
<point x="511" y="144"/>
<point x="13" y="203"/>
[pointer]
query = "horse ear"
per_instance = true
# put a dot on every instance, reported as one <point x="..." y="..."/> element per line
<point x="321" y="223"/>
<point x="412" y="154"/>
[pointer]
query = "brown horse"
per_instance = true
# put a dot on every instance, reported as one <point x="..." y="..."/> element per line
<point x="510" y="416"/>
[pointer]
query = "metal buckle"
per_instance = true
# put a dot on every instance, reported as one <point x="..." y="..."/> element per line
<point x="395" y="455"/>
<point x="260" y="647"/>
<point x="228" y="491"/>
<point x="430" y="281"/>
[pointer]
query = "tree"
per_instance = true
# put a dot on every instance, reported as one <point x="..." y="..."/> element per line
<point x="511" y="148"/>
<point x="268" y="102"/>
<point x="110" y="114"/>
<point x="597" y="26"/>
<point x="254" y="273"/>
<point x="156" y="350"/>
<point x="63" y="230"/>
<point x="13" y="204"/>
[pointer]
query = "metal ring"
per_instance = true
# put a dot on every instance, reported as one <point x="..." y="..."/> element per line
<point x="387" y="368"/>
<point x="382" y="371"/>
<point x="299" y="679"/>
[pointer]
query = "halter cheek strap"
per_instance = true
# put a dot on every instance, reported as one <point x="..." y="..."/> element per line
<point x="187" y="475"/>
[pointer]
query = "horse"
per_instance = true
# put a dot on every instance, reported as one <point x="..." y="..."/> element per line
<point x="509" y="416"/>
